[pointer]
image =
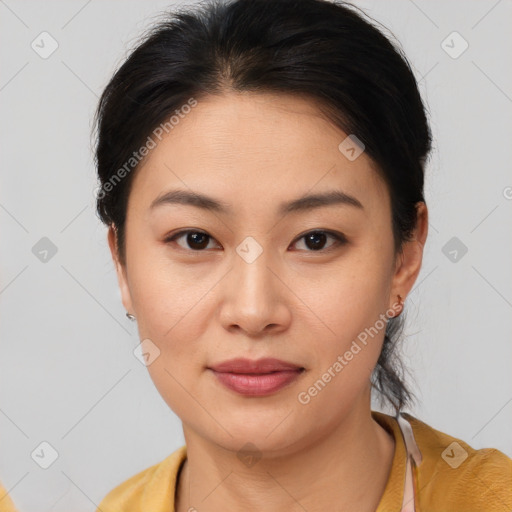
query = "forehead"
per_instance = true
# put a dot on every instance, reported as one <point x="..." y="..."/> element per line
<point x="255" y="150"/>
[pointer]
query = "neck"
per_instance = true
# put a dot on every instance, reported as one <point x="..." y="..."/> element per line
<point x="347" y="469"/>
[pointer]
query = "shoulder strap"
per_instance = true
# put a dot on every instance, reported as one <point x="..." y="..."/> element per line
<point x="413" y="459"/>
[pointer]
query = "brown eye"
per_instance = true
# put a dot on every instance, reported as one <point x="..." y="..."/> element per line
<point x="315" y="240"/>
<point x="195" y="240"/>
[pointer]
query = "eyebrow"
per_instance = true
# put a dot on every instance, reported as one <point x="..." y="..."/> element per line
<point x="305" y="203"/>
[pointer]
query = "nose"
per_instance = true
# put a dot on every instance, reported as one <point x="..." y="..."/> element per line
<point x="255" y="296"/>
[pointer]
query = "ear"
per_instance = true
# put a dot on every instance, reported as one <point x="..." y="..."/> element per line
<point x="120" y="270"/>
<point x="408" y="264"/>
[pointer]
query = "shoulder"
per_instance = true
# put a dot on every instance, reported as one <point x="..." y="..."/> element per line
<point x="454" y="474"/>
<point x="6" y="504"/>
<point x="152" y="487"/>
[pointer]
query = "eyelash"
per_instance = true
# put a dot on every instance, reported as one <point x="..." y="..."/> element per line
<point x="338" y="237"/>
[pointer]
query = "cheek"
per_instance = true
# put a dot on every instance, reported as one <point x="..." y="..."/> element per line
<point x="346" y="352"/>
<point x="350" y="298"/>
<point x="352" y="312"/>
<point x="171" y="305"/>
<point x="170" y="298"/>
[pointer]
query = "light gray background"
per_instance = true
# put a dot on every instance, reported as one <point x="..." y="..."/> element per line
<point x="67" y="372"/>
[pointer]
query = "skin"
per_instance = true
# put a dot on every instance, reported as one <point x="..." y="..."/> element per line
<point x="295" y="303"/>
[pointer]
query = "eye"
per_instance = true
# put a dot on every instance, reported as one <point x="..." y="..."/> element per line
<point x="314" y="240"/>
<point x="196" y="240"/>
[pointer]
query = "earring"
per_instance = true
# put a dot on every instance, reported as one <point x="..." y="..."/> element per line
<point x="130" y="316"/>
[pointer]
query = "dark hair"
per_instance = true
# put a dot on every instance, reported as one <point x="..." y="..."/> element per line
<point x="318" y="49"/>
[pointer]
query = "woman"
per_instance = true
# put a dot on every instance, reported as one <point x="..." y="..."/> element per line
<point x="261" y="168"/>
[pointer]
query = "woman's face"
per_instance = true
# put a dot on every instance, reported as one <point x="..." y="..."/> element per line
<point x="254" y="285"/>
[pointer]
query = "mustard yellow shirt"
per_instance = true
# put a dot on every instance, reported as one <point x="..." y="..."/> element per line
<point x="445" y="480"/>
<point x="6" y="504"/>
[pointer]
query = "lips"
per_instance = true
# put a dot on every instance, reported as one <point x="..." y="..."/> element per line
<point x="256" y="378"/>
<point x="267" y="365"/>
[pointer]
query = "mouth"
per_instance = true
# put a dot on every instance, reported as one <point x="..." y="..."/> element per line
<point x="256" y="378"/>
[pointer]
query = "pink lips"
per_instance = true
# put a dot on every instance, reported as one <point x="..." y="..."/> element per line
<point x="256" y="378"/>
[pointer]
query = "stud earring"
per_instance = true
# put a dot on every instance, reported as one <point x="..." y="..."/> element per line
<point x="130" y="316"/>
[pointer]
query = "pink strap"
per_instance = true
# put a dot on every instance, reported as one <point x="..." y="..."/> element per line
<point x="413" y="457"/>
